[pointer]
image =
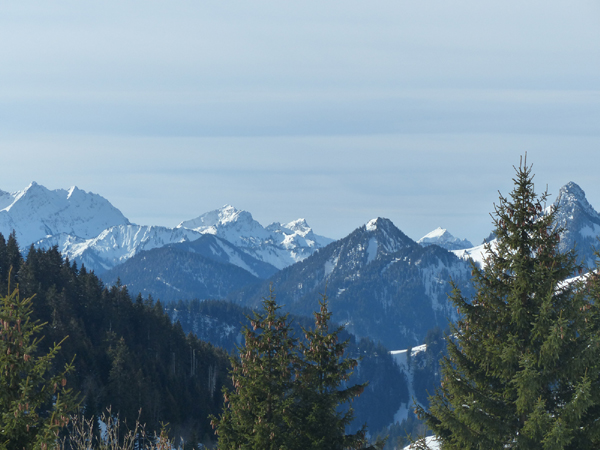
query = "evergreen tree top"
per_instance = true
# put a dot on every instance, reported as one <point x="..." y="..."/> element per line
<point x="523" y="366"/>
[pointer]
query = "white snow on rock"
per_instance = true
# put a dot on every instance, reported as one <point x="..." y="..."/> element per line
<point x="431" y="442"/>
<point x="441" y="236"/>
<point x="117" y="244"/>
<point x="400" y="358"/>
<point x="477" y="254"/>
<point x="36" y="212"/>
<point x="89" y="230"/>
<point x="372" y="250"/>
<point x="371" y="225"/>
<point x="278" y="244"/>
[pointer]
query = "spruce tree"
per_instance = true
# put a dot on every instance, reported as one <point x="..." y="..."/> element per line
<point x="257" y="412"/>
<point x="34" y="405"/>
<point x="320" y="389"/>
<point x="523" y="367"/>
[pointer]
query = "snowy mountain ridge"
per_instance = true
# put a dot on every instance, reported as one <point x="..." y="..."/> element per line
<point x="277" y="244"/>
<point x="36" y="212"/>
<point x="88" y="229"/>
<point x="115" y="245"/>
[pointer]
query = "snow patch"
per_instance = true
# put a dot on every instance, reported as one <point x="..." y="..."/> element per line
<point x="400" y="358"/>
<point x="590" y="230"/>
<point x="372" y="225"/>
<point x="372" y="250"/>
<point x="478" y="254"/>
<point x="330" y="265"/>
<point x="431" y="442"/>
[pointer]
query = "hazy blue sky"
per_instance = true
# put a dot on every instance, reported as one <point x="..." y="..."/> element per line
<point x="336" y="111"/>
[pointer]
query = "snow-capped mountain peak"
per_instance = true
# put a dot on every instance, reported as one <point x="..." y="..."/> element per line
<point x="571" y="197"/>
<point x="277" y="244"/>
<point x="223" y="216"/>
<point x="442" y="237"/>
<point x="297" y="225"/>
<point x="37" y="212"/>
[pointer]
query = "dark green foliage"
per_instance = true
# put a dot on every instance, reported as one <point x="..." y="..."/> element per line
<point x="129" y="354"/>
<point x="287" y="395"/>
<point x="34" y="404"/>
<point x="258" y="412"/>
<point x="10" y="262"/>
<point x="426" y="371"/>
<point x="400" y="435"/>
<point x="221" y="322"/>
<point x="523" y="367"/>
<point x="320" y="388"/>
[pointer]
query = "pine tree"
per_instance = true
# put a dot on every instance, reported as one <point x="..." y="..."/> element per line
<point x="34" y="405"/>
<point x="257" y="412"/>
<point x="523" y="366"/>
<point x="319" y="389"/>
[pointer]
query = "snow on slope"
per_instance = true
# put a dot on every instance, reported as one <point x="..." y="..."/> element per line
<point x="441" y="236"/>
<point x="278" y="244"/>
<point x="400" y="358"/>
<point x="36" y="212"/>
<point x="431" y="443"/>
<point x="477" y="254"/>
<point x="115" y="245"/>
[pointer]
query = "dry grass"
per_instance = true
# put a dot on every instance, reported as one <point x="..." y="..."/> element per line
<point x="84" y="434"/>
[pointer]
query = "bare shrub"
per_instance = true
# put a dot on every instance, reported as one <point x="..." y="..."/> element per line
<point x="112" y="434"/>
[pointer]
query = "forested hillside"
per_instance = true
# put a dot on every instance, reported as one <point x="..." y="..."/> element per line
<point x="220" y="323"/>
<point x="127" y="352"/>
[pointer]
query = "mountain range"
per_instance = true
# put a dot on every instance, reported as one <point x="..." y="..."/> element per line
<point x="89" y="230"/>
<point x="380" y="283"/>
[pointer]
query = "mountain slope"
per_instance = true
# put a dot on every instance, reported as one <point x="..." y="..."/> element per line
<point x="208" y="267"/>
<point x="380" y="284"/>
<point x="115" y="245"/>
<point x="168" y="274"/>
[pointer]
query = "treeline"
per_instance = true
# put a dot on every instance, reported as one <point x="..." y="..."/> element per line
<point x="128" y="354"/>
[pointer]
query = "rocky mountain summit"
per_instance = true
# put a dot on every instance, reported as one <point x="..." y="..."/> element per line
<point x="579" y="221"/>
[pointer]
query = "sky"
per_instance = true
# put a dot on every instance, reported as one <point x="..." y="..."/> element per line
<point x="336" y="111"/>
